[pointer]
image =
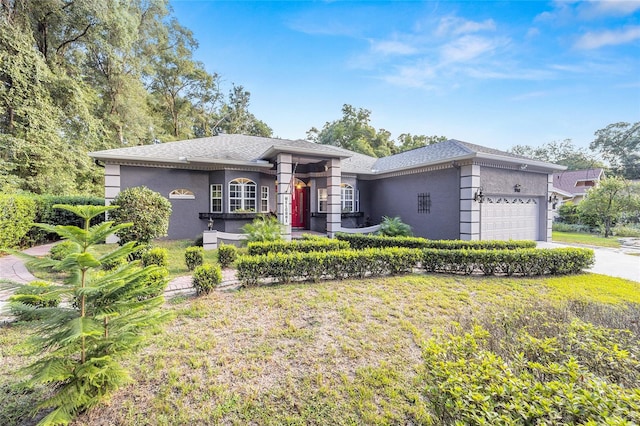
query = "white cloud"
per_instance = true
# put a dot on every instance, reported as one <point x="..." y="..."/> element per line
<point x="392" y="47"/>
<point x="457" y="26"/>
<point x="467" y="48"/>
<point x="594" y="9"/>
<point x="595" y="40"/>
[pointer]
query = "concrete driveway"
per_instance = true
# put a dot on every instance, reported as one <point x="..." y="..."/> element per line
<point x="622" y="263"/>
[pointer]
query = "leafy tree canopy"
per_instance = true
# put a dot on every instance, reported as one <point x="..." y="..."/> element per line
<point x="611" y="200"/>
<point x="619" y="144"/>
<point x="563" y="152"/>
<point x="354" y="132"/>
<point x="79" y="76"/>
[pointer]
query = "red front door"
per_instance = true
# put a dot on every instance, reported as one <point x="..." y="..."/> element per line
<point x="297" y="207"/>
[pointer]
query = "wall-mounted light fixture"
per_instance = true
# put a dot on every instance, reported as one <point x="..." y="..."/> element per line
<point x="478" y="196"/>
<point x="553" y="199"/>
<point x="523" y="166"/>
<point x="517" y="187"/>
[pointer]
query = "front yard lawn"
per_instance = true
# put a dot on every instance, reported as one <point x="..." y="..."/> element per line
<point x="585" y="239"/>
<point x="338" y="352"/>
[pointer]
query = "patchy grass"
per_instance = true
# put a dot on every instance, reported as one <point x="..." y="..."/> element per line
<point x="585" y="239"/>
<point x="341" y="352"/>
<point x="175" y="248"/>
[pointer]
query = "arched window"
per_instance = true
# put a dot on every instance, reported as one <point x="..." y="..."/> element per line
<point x="347" y="198"/>
<point x="242" y="195"/>
<point x="182" y="194"/>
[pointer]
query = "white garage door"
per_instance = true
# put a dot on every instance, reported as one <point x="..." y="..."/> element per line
<point x="509" y="218"/>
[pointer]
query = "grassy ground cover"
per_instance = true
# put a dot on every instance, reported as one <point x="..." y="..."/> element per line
<point x="585" y="239"/>
<point x="341" y="352"/>
<point x="175" y="248"/>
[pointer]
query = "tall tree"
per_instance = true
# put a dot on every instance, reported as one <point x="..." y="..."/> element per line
<point x="236" y="118"/>
<point x="408" y="141"/>
<point x="619" y="144"/>
<point x="354" y="132"/>
<point x="612" y="199"/>
<point x="563" y="152"/>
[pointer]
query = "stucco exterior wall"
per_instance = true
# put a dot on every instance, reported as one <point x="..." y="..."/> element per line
<point x="398" y="196"/>
<point x="502" y="182"/>
<point x="184" y="222"/>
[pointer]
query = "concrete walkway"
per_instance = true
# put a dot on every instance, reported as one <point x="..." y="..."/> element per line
<point x="621" y="263"/>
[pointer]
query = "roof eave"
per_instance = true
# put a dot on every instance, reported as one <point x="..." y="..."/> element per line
<point x="521" y="161"/>
<point x="279" y="149"/>
<point x="180" y="161"/>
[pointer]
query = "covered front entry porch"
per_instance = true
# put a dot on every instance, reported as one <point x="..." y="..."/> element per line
<point x="297" y="175"/>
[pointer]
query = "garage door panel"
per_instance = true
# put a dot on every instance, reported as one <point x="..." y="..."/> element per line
<point x="509" y="218"/>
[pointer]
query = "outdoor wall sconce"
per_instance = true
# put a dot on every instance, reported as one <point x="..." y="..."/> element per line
<point x="517" y="187"/>
<point x="553" y="200"/>
<point x="478" y="196"/>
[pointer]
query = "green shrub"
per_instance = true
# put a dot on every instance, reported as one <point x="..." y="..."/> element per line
<point x="155" y="282"/>
<point x="206" y="278"/>
<point x="193" y="257"/>
<point x="314" y="244"/>
<point x="46" y="213"/>
<point x="156" y="256"/>
<point x="361" y="241"/>
<point x="464" y="382"/>
<point x="227" y="254"/>
<point x="263" y="228"/>
<point x="148" y="210"/>
<point x="17" y="213"/>
<point x="525" y="262"/>
<point x="570" y="227"/>
<point x="312" y="266"/>
<point x="199" y="242"/>
<point x="63" y="249"/>
<point x="394" y="227"/>
<point x="626" y="231"/>
<point x="27" y="300"/>
<point x="114" y="263"/>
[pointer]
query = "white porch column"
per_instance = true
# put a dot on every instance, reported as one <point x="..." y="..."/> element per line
<point x="111" y="190"/>
<point x="469" y="209"/>
<point x="549" y="223"/>
<point x="334" y="205"/>
<point x="284" y="193"/>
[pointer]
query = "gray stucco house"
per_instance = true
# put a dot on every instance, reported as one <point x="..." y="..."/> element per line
<point x="450" y="190"/>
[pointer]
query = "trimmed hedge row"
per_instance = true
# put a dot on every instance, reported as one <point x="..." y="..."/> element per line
<point x="312" y="266"/>
<point x="526" y="262"/>
<point x="302" y="246"/>
<point x="17" y="213"/>
<point x="362" y="241"/>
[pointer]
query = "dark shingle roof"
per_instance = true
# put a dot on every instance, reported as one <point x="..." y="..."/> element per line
<point x="228" y="148"/>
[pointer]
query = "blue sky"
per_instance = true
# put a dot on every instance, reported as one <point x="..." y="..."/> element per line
<point x="496" y="73"/>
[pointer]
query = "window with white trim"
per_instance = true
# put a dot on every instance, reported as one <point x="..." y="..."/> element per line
<point x="347" y="198"/>
<point x="182" y="194"/>
<point x="322" y="200"/>
<point x="242" y="195"/>
<point x="216" y="198"/>
<point x="264" y="199"/>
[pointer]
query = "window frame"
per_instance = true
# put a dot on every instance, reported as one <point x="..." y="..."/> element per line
<point x="346" y="189"/>
<point x="242" y="195"/>
<point x="264" y="199"/>
<point x="323" y="197"/>
<point x="220" y="189"/>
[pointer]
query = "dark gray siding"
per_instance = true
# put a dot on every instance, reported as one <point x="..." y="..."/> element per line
<point x="184" y="221"/>
<point x="398" y="196"/>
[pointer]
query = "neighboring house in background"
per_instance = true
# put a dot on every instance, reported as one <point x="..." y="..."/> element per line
<point x="572" y="185"/>
<point x="450" y="190"/>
